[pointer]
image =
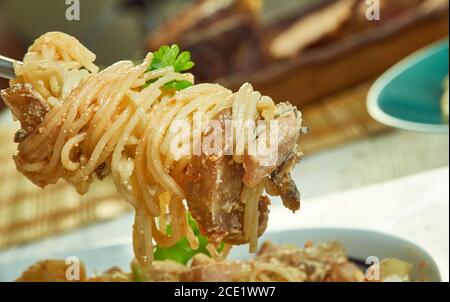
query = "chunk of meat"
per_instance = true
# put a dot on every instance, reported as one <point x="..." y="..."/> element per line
<point x="213" y="189"/>
<point x="213" y="186"/>
<point x="283" y="159"/>
<point x="285" y="185"/>
<point x="27" y="106"/>
<point x="258" y="166"/>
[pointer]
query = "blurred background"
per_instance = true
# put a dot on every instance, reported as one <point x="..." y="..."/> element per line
<point x="321" y="55"/>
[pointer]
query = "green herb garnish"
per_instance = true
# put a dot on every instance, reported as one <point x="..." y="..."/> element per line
<point x="178" y="85"/>
<point x="182" y="252"/>
<point x="171" y="56"/>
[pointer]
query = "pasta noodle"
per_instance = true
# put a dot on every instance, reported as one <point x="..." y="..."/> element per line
<point x="111" y="121"/>
<point x="251" y="197"/>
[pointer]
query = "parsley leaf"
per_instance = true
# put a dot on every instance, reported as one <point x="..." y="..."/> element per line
<point x="183" y="62"/>
<point x="170" y="56"/>
<point x="178" y="85"/>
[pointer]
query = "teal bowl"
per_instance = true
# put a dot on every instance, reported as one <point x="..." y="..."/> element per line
<point x="408" y="96"/>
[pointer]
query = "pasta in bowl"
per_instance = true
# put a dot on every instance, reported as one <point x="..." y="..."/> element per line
<point x="337" y="254"/>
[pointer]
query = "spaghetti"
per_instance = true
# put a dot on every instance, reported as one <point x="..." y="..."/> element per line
<point x="117" y="121"/>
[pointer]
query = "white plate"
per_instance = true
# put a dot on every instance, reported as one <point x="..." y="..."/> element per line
<point x="359" y="244"/>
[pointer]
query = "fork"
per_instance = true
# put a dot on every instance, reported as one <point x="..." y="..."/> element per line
<point x="7" y="67"/>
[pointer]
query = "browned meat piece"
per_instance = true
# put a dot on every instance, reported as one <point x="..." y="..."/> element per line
<point x="259" y="166"/>
<point x="285" y="185"/>
<point x="204" y="269"/>
<point x="49" y="271"/>
<point x="27" y="106"/>
<point x="213" y="186"/>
